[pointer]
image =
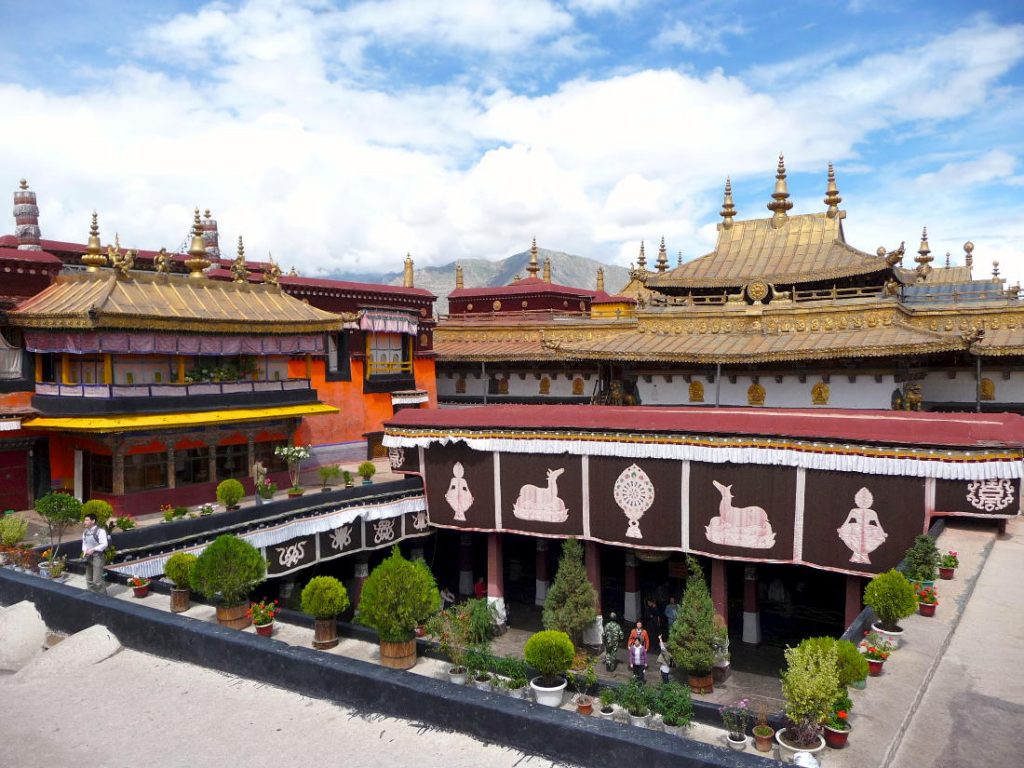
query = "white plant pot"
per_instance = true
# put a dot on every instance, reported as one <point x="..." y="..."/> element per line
<point x="548" y="697"/>
<point x="674" y="730"/>
<point x="896" y="638"/>
<point x="458" y="678"/>
<point x="517" y="693"/>
<point x="639" y="722"/>
<point x="737" y="745"/>
<point x="786" y="752"/>
<point x="482" y="685"/>
<point x="609" y="715"/>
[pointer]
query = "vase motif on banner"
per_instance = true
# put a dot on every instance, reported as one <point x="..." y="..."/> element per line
<point x="458" y="497"/>
<point x="341" y="537"/>
<point x="383" y="530"/>
<point x="862" y="531"/>
<point x="396" y="456"/>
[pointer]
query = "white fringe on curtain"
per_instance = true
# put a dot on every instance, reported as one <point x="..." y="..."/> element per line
<point x="151" y="567"/>
<point x="945" y="467"/>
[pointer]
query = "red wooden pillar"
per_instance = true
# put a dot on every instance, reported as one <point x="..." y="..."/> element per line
<point x="362" y="570"/>
<point x="465" y="564"/>
<point x="719" y="589"/>
<point x="853" y="597"/>
<point x="543" y="572"/>
<point x="631" y="611"/>
<point x="751" y="612"/>
<point x="496" y="575"/>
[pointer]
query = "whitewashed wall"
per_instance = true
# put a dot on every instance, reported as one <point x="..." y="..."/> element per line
<point x="937" y="386"/>
<point x="864" y="392"/>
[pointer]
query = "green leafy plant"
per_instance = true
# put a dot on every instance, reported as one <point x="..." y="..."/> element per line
<point x="263" y="612"/>
<point x="571" y="602"/>
<point x="675" y="704"/>
<point x="324" y="597"/>
<point x="101" y="509"/>
<point x="837" y="719"/>
<point x="266" y="489"/>
<point x="180" y="569"/>
<point x="891" y="597"/>
<point x="109" y="554"/>
<point x="12" y="530"/>
<point x="346" y="478"/>
<point x="60" y="511"/>
<point x="810" y="685"/>
<point x="922" y="559"/>
<point x="137" y="582"/>
<point x="366" y="470"/>
<point x="179" y="511"/>
<point x="229" y="568"/>
<point x="452" y="628"/>
<point x="124" y="524"/>
<point x="949" y="560"/>
<point x="736" y="717"/>
<point x="695" y="636"/>
<point x="607" y="698"/>
<point x="514" y="670"/>
<point x="550" y="652"/>
<point x="328" y="473"/>
<point x="762" y="728"/>
<point x="293" y="455"/>
<point x="398" y="596"/>
<point x="928" y="596"/>
<point x="851" y="664"/>
<point x="483" y="620"/>
<point x="230" y="492"/>
<point x="583" y="681"/>
<point x="635" y="699"/>
<point x="169" y="516"/>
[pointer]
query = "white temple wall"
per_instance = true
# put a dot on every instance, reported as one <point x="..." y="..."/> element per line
<point x="937" y="386"/>
<point x="864" y="392"/>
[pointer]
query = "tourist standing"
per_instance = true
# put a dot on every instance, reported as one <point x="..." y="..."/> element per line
<point x="638" y="632"/>
<point x="94" y="544"/>
<point x="638" y="659"/>
<point x="664" y="660"/>
<point x="612" y="638"/>
<point x="671" y="611"/>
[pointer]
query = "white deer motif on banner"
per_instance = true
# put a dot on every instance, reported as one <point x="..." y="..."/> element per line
<point x="541" y="504"/>
<point x="739" y="526"/>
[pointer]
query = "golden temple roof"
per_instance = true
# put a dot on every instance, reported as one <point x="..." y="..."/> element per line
<point x="171" y="303"/>
<point x="805" y="248"/>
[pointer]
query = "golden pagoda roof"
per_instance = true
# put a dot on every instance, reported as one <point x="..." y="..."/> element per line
<point x="161" y="302"/>
<point x="804" y="248"/>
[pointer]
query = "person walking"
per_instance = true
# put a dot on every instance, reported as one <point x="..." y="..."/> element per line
<point x="258" y="473"/>
<point x="94" y="544"/>
<point x="638" y="660"/>
<point x="664" y="660"/>
<point x="612" y="638"/>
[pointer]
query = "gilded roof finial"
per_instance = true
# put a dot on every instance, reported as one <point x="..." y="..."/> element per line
<point x="23" y="184"/>
<point x="832" y="198"/>
<point x="458" y="277"/>
<point x="679" y="259"/>
<point x="121" y="263"/>
<point x="995" y="269"/>
<point x="547" y="269"/>
<point x="728" y="212"/>
<point x="271" y="273"/>
<point x="641" y="260"/>
<point x="94" y="258"/>
<point x="947" y="259"/>
<point x="600" y="278"/>
<point x="407" y="274"/>
<point x="162" y="262"/>
<point x="238" y="270"/>
<point x="969" y="254"/>
<point x="924" y="257"/>
<point x="293" y="272"/>
<point x="197" y="260"/>
<point x="662" y="256"/>
<point x="780" y="197"/>
<point x="533" y="268"/>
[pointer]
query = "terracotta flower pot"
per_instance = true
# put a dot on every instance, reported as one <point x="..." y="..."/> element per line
<point x="835" y="737"/>
<point x="266" y="630"/>
<point x="946" y="573"/>
<point x="702" y="683"/>
<point x="763" y="741"/>
<point x="875" y="667"/>
<point x="141" y="591"/>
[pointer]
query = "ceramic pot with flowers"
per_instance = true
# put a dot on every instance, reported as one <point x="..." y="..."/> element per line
<point x="837" y="729"/>
<point x="875" y="657"/>
<point x="948" y="564"/>
<point x="262" y="615"/>
<point x="140" y="586"/>
<point x="927" y="601"/>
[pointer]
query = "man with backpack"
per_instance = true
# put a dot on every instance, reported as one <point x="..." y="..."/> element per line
<point x="94" y="544"/>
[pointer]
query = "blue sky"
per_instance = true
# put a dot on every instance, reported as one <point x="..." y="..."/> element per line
<point x="339" y="136"/>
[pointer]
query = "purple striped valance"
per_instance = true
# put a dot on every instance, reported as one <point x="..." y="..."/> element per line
<point x="388" y="321"/>
<point x="167" y="344"/>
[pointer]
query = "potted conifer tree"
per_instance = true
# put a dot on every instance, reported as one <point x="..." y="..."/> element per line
<point x="571" y="602"/>
<point x="695" y="635"/>
<point x="180" y="569"/>
<point x="892" y="598"/>
<point x="226" y="572"/>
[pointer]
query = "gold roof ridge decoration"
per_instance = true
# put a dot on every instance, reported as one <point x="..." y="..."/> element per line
<point x="238" y="270"/>
<point x="924" y="257"/>
<point x="94" y="257"/>
<point x="168" y="303"/>
<point x="197" y="261"/>
<point x="832" y="198"/>
<point x="407" y="274"/>
<point x="662" y="263"/>
<point x="780" y="203"/>
<point x="533" y="267"/>
<point x="728" y="212"/>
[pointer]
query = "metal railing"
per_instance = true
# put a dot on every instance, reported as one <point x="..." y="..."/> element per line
<point x="108" y="391"/>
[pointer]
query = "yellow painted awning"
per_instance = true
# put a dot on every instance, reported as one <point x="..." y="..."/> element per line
<point x="173" y="420"/>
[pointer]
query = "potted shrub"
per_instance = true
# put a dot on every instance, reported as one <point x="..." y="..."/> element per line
<point x="346" y="477"/>
<point x="927" y="601"/>
<point x="674" y="703"/>
<point x="583" y="682"/>
<point x="853" y="668"/>
<point x="262" y="615"/>
<point x="367" y="470"/>
<point x="323" y="598"/>
<point x="139" y="585"/>
<point x="634" y="698"/>
<point x="12" y="531"/>
<point x="948" y="563"/>
<point x="607" y="698"/>
<point x="550" y="652"/>
<point x="226" y="572"/>
<point x="398" y="596"/>
<point x="451" y="627"/>
<point x="810" y="686"/>
<point x="763" y="732"/>
<point x="892" y="598"/>
<point x="736" y="719"/>
<point x="180" y="569"/>
<point x="60" y="511"/>
<point x="922" y="560"/>
<point x="101" y="509"/>
<point x="230" y="492"/>
<point x="571" y="602"/>
<point x="695" y="636"/>
<point x="327" y="474"/>
<point x="266" y="489"/>
<point x="293" y="455"/>
<point x="479" y="662"/>
<point x="513" y="669"/>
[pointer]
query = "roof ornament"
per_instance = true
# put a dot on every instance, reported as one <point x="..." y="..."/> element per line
<point x="121" y="263"/>
<point x="662" y="256"/>
<point x="547" y="269"/>
<point x="947" y="260"/>
<point x="94" y="258"/>
<point x="924" y="257"/>
<point x="533" y="268"/>
<point x="640" y="272"/>
<point x="238" y="270"/>
<point x="407" y="274"/>
<point x="23" y="184"/>
<point x="26" y="219"/>
<point x="272" y="273"/>
<point x="641" y="260"/>
<point x="780" y="197"/>
<point x="458" y="277"/>
<point x="892" y="258"/>
<point x="162" y="262"/>
<point x="728" y="211"/>
<point x="995" y="270"/>
<point x="832" y="198"/>
<point x="197" y="261"/>
<point x="969" y="254"/>
<point x="679" y="259"/>
<point x="600" y="278"/>
<point x="293" y="272"/>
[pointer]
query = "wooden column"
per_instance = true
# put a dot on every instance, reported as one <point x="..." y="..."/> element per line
<point x="496" y="576"/>
<point x="212" y="458"/>
<point x="170" y="467"/>
<point x="751" y="612"/>
<point x="631" y="612"/>
<point x="309" y="366"/>
<point x="592" y="560"/>
<point x="181" y="369"/>
<point x="543" y="572"/>
<point x="65" y="368"/>
<point x="39" y="365"/>
<point x="465" y="564"/>
<point x="250" y="450"/>
<point x="108" y="369"/>
<point x="118" y="461"/>
<point x="853" y="597"/>
<point x="719" y="588"/>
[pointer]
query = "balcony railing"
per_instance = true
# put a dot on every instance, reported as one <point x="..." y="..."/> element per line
<point x="107" y="391"/>
<point x="388" y="368"/>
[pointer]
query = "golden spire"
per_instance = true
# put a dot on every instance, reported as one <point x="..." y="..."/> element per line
<point x="679" y="259"/>
<point x="271" y="273"/>
<point x="23" y="184"/>
<point x="832" y="198"/>
<point x="94" y="258"/>
<point x="600" y="278"/>
<point x="197" y="260"/>
<point x="969" y="254"/>
<point x="995" y="270"/>
<point x="407" y="277"/>
<point x="641" y="260"/>
<point x="533" y="268"/>
<point x="662" y="256"/>
<point x="728" y="211"/>
<point x="547" y="269"/>
<point x="947" y="259"/>
<point x="458" y="276"/>
<point x="780" y="197"/>
<point x="924" y="257"/>
<point x="241" y="274"/>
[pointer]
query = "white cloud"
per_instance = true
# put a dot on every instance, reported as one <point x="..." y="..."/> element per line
<point x="594" y="7"/>
<point x="703" y="37"/>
